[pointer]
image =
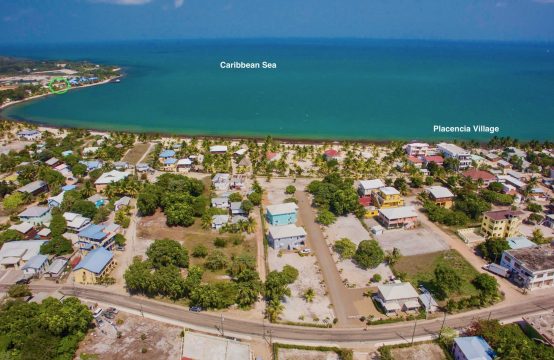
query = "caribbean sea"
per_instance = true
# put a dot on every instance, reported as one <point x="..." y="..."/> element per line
<point x="321" y="89"/>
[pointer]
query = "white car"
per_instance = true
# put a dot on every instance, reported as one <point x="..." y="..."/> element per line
<point x="97" y="312"/>
<point x="305" y="251"/>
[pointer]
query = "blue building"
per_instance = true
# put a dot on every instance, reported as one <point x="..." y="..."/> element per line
<point x="472" y="348"/>
<point x="95" y="236"/>
<point x="519" y="242"/>
<point x="167" y="154"/>
<point x="282" y="214"/>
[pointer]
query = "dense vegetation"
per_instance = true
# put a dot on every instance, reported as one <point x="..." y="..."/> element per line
<point x="50" y="330"/>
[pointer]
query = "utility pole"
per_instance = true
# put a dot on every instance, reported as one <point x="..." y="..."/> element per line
<point x="442" y="326"/>
<point x="413" y="332"/>
<point x="221" y="325"/>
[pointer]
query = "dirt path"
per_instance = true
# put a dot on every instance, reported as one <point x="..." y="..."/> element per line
<point x="342" y="298"/>
<point x="260" y="248"/>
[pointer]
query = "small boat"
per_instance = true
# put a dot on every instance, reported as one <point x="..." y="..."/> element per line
<point x="117" y="80"/>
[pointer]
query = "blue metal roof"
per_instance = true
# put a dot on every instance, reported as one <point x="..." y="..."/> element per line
<point x="167" y="154"/>
<point x="475" y="348"/>
<point x="35" y="262"/>
<point x="69" y="187"/>
<point x="85" y="245"/>
<point x="519" y="242"/>
<point x="96" y="260"/>
<point x="94" y="232"/>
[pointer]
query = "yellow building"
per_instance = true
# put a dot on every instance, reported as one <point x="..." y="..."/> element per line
<point x="387" y="197"/>
<point x="441" y="196"/>
<point x="501" y="223"/>
<point x="98" y="262"/>
<point x="371" y="211"/>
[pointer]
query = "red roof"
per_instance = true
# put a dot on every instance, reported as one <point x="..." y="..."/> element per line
<point x="434" y="158"/>
<point x="365" y="200"/>
<point x="476" y="174"/>
<point x="270" y="155"/>
<point x="331" y="153"/>
<point x="414" y="160"/>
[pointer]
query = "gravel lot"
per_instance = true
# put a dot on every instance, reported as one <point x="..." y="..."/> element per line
<point x="310" y="277"/>
<point x="422" y="351"/>
<point x="297" y="354"/>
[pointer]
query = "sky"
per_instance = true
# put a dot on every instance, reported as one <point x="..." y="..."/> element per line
<point x="57" y="21"/>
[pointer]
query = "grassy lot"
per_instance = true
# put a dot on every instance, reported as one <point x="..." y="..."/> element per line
<point x="135" y="153"/>
<point x="154" y="227"/>
<point x="419" y="270"/>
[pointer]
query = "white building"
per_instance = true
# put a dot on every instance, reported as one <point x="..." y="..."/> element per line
<point x="109" y="177"/>
<point x="456" y="152"/>
<point x="36" y="265"/>
<point x="36" y="215"/>
<point x="75" y="222"/>
<point x="397" y="297"/>
<point x="530" y="267"/>
<point x="15" y="254"/>
<point x="417" y="149"/>
<point x="287" y="237"/>
<point x="367" y="187"/>
<point x="221" y="182"/>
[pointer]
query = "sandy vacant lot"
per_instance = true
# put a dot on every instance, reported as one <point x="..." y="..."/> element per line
<point x="352" y="275"/>
<point x="160" y="340"/>
<point x="422" y="351"/>
<point x="275" y="189"/>
<point x="297" y="354"/>
<point x="310" y="277"/>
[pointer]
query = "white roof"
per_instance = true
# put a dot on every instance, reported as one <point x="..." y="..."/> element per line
<point x="286" y="231"/>
<point x="22" y="248"/>
<point x="372" y="184"/>
<point x="44" y="232"/>
<point x="280" y="209"/>
<point x="452" y="149"/>
<point x="399" y="212"/>
<point x="184" y="162"/>
<point x="58" y="198"/>
<point x="241" y="151"/>
<point x="90" y="149"/>
<point x="439" y="192"/>
<point x="111" y="177"/>
<point x="400" y="291"/>
<point x="389" y="190"/>
<point x="22" y="227"/>
<point x="218" y="148"/>
<point x="34" y="211"/>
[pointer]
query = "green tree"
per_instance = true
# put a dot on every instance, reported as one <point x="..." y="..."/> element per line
<point x="447" y="279"/>
<point x="247" y="205"/>
<point x="240" y="263"/>
<point x="200" y="251"/>
<point x="486" y="284"/>
<point x="10" y="235"/>
<point x="119" y="240"/>
<point x="122" y="219"/>
<point x="167" y="252"/>
<point x="147" y="203"/>
<point x="235" y="197"/>
<point x="493" y="248"/>
<point x="57" y="225"/>
<point x="255" y="198"/>
<point x="538" y="237"/>
<point x="216" y="261"/>
<point x="289" y="273"/>
<point x="58" y="245"/>
<point x="85" y="208"/>
<point x="325" y="217"/>
<point x="369" y="254"/>
<point x="12" y="202"/>
<point x="345" y="248"/>
<point x="180" y="214"/>
<point x="19" y="291"/>
<point x="290" y="189"/>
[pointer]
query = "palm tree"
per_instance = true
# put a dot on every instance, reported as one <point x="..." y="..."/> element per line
<point x="87" y="190"/>
<point x="309" y="295"/>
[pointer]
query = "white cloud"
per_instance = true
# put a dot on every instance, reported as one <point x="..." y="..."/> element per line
<point x="124" y="2"/>
<point x="179" y="3"/>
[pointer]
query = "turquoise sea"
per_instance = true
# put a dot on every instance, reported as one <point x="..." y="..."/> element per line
<point x="322" y="89"/>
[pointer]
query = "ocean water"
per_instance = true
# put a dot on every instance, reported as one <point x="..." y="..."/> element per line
<point x="321" y="89"/>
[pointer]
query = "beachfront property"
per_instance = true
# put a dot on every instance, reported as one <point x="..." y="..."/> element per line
<point x="368" y="187"/>
<point x="15" y="254"/>
<point x="221" y="182"/>
<point x="34" y="188"/>
<point x="218" y="149"/>
<point x="109" y="178"/>
<point x="530" y="267"/>
<point x="95" y="236"/>
<point x="286" y="237"/>
<point x="399" y="217"/>
<point x="417" y="149"/>
<point x="512" y="181"/>
<point x="52" y="162"/>
<point x="36" y="215"/>
<point x="501" y="223"/>
<point x="29" y="135"/>
<point x="282" y="214"/>
<point x="480" y="176"/>
<point x="75" y="222"/>
<point x="387" y="197"/>
<point x="96" y="264"/>
<point x="441" y="196"/>
<point x="331" y="154"/>
<point x="36" y="266"/>
<point x="471" y="348"/>
<point x="395" y="297"/>
<point x="437" y="159"/>
<point x="455" y="152"/>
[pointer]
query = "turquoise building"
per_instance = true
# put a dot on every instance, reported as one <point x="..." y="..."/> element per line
<point x="282" y="214"/>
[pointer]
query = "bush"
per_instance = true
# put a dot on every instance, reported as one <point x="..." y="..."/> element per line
<point x="376" y="278"/>
<point x="220" y="242"/>
<point x="325" y="217"/>
<point x="216" y="261"/>
<point x="345" y="248"/>
<point x="369" y="254"/>
<point x="289" y="190"/>
<point x="200" y="251"/>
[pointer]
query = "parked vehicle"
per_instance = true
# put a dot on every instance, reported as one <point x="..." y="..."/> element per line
<point x="305" y="251"/>
<point x="97" y="312"/>
<point x="497" y="269"/>
<point x="195" y="308"/>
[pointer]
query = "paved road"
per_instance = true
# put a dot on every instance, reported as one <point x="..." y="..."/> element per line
<point x="341" y="297"/>
<point x="386" y="332"/>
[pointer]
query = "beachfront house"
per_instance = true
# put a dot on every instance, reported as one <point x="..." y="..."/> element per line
<point x="282" y="214"/>
<point x="36" y="215"/>
<point x="96" y="264"/>
<point x="29" y="135"/>
<point x="395" y="297"/>
<point x="417" y="149"/>
<point x="218" y="149"/>
<point x="286" y="237"/>
<point x="456" y="152"/>
<point x="480" y="176"/>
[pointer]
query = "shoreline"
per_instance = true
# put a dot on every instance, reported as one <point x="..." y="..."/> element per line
<point x="11" y="103"/>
